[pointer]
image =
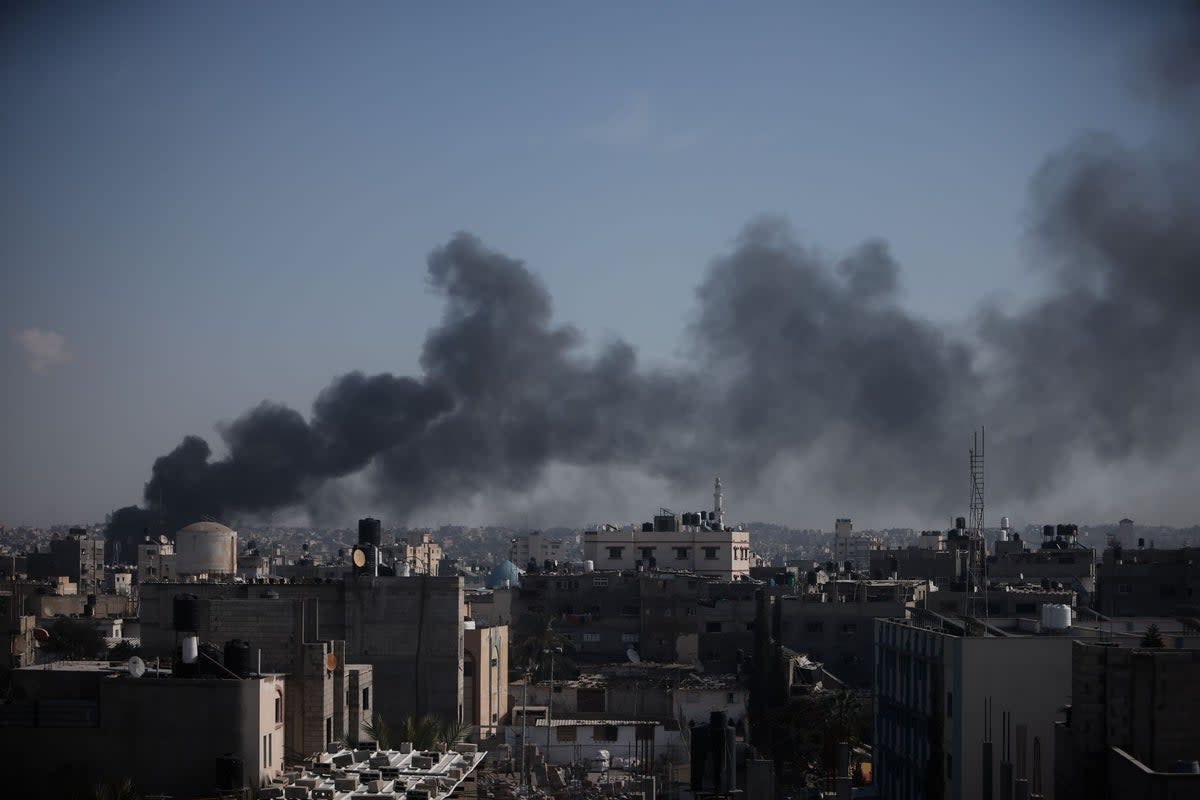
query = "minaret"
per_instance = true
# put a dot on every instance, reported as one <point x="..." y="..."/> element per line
<point x="718" y="502"/>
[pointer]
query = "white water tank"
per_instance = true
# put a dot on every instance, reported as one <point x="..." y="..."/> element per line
<point x="1056" y="617"/>
<point x="589" y="566"/>
<point x="468" y="624"/>
<point x="206" y="547"/>
<point x="191" y="649"/>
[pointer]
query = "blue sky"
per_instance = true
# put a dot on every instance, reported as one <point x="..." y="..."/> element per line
<point x="207" y="205"/>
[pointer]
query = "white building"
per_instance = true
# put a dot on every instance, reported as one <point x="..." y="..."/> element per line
<point x="535" y="546"/>
<point x="696" y="542"/>
<point x="852" y="547"/>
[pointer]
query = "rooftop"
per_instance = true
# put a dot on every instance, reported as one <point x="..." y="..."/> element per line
<point x="347" y="774"/>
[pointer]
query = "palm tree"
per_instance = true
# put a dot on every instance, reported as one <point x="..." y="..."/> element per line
<point x="377" y="730"/>
<point x="540" y="645"/>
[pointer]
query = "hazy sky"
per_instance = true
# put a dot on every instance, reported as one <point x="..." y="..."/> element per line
<point x="209" y="204"/>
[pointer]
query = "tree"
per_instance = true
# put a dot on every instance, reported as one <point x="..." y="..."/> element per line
<point x="74" y="640"/>
<point x="536" y="649"/>
<point x="1153" y="637"/>
<point x="425" y="733"/>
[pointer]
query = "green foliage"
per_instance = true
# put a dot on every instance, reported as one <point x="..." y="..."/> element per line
<point x="426" y="732"/>
<point x="74" y="640"/>
<point x="115" y="790"/>
<point x="536" y="649"/>
<point x="1153" y="637"/>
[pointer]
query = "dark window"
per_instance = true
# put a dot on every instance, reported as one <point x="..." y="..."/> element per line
<point x="647" y="553"/>
<point x="329" y="729"/>
<point x="949" y="766"/>
<point x="710" y="553"/>
<point x="750" y="625"/>
<point x="1124" y="588"/>
<point x="590" y="701"/>
<point x="614" y="553"/>
<point x="814" y="626"/>
<point x="849" y="627"/>
<point x="712" y="627"/>
<point x="950" y="704"/>
<point x="604" y="733"/>
<point x="1025" y="608"/>
<point x="681" y="553"/>
<point x="468" y="669"/>
<point x="366" y="700"/>
<point x="564" y="733"/>
<point x="278" y="709"/>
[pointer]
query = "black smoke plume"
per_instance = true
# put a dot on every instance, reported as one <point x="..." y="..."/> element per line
<point x="792" y="356"/>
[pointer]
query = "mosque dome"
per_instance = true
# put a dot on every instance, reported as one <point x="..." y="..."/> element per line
<point x="504" y="571"/>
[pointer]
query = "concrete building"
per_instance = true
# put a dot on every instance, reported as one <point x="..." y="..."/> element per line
<point x="207" y="549"/>
<point x="535" y="547"/>
<point x="409" y="630"/>
<point x="421" y="553"/>
<point x="933" y="681"/>
<point x="403" y="774"/>
<point x="120" y="583"/>
<point x="1132" y="728"/>
<point x="156" y="560"/>
<point x="1149" y="582"/>
<point x="695" y="542"/>
<point x="853" y="549"/>
<point x="485" y="677"/>
<point x="75" y="557"/>
<point x="82" y="723"/>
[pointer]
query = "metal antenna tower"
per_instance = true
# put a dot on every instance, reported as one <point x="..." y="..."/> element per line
<point x="978" y="549"/>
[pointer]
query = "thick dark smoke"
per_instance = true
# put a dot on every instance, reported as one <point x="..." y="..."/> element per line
<point x="792" y="357"/>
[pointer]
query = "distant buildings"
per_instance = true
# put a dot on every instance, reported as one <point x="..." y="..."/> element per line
<point x="852" y="551"/>
<point x="1145" y="581"/>
<point x="537" y="548"/>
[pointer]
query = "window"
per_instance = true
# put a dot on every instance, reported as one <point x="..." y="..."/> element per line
<point x="564" y="733"/>
<point x="589" y="701"/>
<point x="1124" y="588"/>
<point x="710" y="553"/>
<point x="949" y="705"/>
<point x="691" y="612"/>
<point x="600" y="582"/>
<point x="266" y="759"/>
<point x="647" y="553"/>
<point x="366" y="699"/>
<point x="629" y="611"/>
<point x="468" y="669"/>
<point x="629" y="638"/>
<point x="615" y="553"/>
<point x="731" y="698"/>
<point x="949" y="766"/>
<point x="604" y="733"/>
<point x="591" y="637"/>
<point x="329" y="729"/>
<point x="681" y="554"/>
<point x="278" y="709"/>
<point x="849" y="628"/>
<point x="712" y="627"/>
<point x="814" y="626"/>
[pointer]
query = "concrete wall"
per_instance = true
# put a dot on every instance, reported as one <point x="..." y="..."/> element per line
<point x="163" y="734"/>
<point x="485" y="693"/>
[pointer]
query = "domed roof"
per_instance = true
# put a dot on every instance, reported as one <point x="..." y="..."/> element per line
<point x="205" y="527"/>
<point x="504" y="571"/>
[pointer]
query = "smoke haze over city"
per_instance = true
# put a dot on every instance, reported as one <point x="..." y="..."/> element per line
<point x="810" y="378"/>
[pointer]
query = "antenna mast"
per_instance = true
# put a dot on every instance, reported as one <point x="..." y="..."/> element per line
<point x="978" y="549"/>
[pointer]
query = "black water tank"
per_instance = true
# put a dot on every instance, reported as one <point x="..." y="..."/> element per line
<point x="237" y="657"/>
<point x="1060" y="530"/>
<point x="960" y="523"/>
<point x="703" y="516"/>
<point x="1048" y="531"/>
<point x="186" y="613"/>
<point x="229" y="773"/>
<point x="370" y="532"/>
<point x="647" y="527"/>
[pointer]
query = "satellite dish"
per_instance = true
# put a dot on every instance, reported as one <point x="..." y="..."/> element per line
<point x="330" y="662"/>
<point x="633" y="656"/>
<point x="136" y="667"/>
<point x="359" y="557"/>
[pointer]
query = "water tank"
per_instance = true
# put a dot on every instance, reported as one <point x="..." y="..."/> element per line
<point x="647" y="527"/>
<point x="1048" y="531"/>
<point x="206" y="547"/>
<point x="589" y="566"/>
<point x="960" y="523"/>
<point x="185" y="612"/>
<point x="191" y="649"/>
<point x="1004" y="522"/>
<point x="1056" y="617"/>
<point x="237" y="657"/>
<point x="468" y="624"/>
<point x="370" y="531"/>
